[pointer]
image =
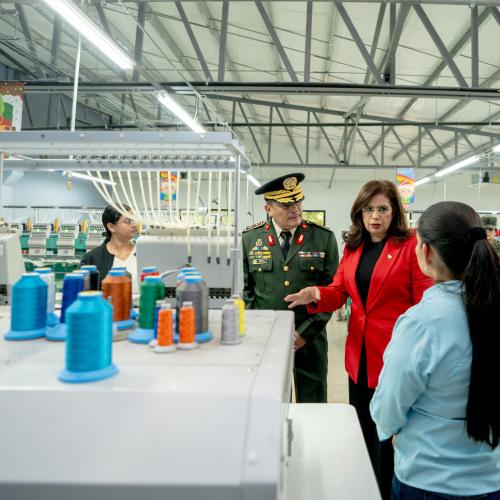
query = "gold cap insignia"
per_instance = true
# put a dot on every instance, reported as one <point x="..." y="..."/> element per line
<point x="289" y="183"/>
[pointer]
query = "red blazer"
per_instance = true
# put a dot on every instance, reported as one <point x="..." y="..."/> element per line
<point x="397" y="284"/>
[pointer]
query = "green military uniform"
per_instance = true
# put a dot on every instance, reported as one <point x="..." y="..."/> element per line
<point x="269" y="277"/>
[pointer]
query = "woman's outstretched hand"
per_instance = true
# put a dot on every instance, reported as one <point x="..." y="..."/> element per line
<point x="305" y="296"/>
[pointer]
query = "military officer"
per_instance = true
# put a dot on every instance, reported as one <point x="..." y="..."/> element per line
<point x="281" y="256"/>
<point x="490" y="225"/>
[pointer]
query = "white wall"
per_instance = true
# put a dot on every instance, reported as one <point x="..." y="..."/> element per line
<point x="49" y="188"/>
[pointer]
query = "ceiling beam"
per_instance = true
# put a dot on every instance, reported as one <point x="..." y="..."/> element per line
<point x="365" y="142"/>
<point x="450" y="142"/>
<point x="359" y="43"/>
<point x="194" y="42"/>
<point x="438" y="147"/>
<point x="496" y="14"/>
<point x="56" y="41"/>
<point x="223" y="40"/>
<point x="27" y="35"/>
<point x="327" y="139"/>
<point x="396" y="33"/>
<point x="474" y="27"/>
<point x="412" y="161"/>
<point x="139" y="38"/>
<point x="282" y="88"/>
<point x="454" y="109"/>
<point x="307" y="49"/>
<point x="270" y="124"/>
<point x="440" y="45"/>
<point x="361" y="103"/>
<point x="464" y="39"/>
<point x="287" y="130"/>
<point x="217" y="35"/>
<point x="277" y="42"/>
<point x="250" y="129"/>
<point x="491" y="3"/>
<point x="332" y="21"/>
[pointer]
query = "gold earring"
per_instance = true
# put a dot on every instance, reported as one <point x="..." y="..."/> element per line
<point x="426" y="268"/>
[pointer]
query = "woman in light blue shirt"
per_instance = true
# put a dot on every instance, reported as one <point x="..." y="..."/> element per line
<point x="439" y="390"/>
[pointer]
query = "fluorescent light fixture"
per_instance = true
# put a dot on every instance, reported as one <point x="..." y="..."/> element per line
<point x="456" y="166"/>
<point x="15" y="157"/>
<point x="496" y="149"/>
<point x="91" y="32"/>
<point x="421" y="181"/>
<point x="90" y="178"/>
<point x="253" y="180"/>
<point x="178" y="111"/>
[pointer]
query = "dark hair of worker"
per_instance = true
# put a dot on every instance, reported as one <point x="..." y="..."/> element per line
<point x="111" y="216"/>
<point x="454" y="230"/>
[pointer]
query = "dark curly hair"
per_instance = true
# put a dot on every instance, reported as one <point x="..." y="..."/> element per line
<point x="357" y="233"/>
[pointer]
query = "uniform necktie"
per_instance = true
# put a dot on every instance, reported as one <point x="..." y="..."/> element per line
<point x="286" y="235"/>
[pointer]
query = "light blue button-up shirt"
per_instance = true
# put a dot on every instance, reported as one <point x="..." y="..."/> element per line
<point x="422" y="399"/>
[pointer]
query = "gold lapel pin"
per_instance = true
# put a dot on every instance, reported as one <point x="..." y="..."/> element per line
<point x="389" y="256"/>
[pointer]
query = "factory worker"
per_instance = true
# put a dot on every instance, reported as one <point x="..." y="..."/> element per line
<point x="282" y="255"/>
<point x="489" y="223"/>
<point x="118" y="248"/>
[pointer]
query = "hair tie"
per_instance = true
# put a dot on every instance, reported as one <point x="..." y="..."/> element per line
<point x="475" y="234"/>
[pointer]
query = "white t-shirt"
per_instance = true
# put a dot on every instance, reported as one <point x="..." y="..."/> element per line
<point x="131" y="265"/>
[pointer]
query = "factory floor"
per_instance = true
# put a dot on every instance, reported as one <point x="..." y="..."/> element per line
<point x="337" y="376"/>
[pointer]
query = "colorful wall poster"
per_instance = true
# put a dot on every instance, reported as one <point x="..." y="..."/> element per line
<point x="11" y="105"/>
<point x="168" y="186"/>
<point x="405" y="180"/>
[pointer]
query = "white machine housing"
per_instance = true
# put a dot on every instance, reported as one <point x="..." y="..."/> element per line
<point x="17" y="226"/>
<point x="37" y="242"/>
<point x="66" y="240"/>
<point x="208" y="424"/>
<point x="11" y="262"/>
<point x="167" y="249"/>
<point x="94" y="236"/>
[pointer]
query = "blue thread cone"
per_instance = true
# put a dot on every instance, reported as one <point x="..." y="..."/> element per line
<point x="29" y="308"/>
<point x="89" y="340"/>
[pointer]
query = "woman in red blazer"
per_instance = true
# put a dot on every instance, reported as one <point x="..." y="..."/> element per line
<point x="380" y="272"/>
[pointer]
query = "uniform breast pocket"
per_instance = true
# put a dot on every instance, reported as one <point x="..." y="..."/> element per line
<point x="311" y="264"/>
<point x="263" y="275"/>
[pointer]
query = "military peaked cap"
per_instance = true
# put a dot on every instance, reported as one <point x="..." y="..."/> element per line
<point x="285" y="189"/>
<point x="489" y="221"/>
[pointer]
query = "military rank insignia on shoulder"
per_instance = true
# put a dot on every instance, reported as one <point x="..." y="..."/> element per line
<point x="254" y="226"/>
<point x="315" y="224"/>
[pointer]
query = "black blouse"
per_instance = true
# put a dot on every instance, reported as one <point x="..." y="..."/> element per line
<point x="369" y="257"/>
<point x="101" y="258"/>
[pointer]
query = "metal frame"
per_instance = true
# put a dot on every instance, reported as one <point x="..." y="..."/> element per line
<point x="137" y="144"/>
<point x="211" y="89"/>
<point x="240" y="95"/>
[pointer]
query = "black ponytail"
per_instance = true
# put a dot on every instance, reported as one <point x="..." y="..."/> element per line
<point x="454" y="230"/>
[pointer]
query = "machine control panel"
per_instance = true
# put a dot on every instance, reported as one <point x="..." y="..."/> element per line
<point x="37" y="242"/>
<point x="66" y="241"/>
<point x="94" y="236"/>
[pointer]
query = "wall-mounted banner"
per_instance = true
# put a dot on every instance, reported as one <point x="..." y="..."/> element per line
<point x="168" y="187"/>
<point x="11" y="105"/>
<point x="405" y="180"/>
